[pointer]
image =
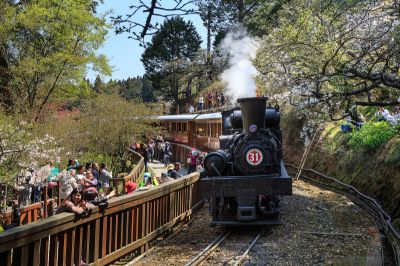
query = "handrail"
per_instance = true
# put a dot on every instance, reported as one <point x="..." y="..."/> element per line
<point x="382" y="216"/>
<point x="28" y="215"/>
<point x="128" y="222"/>
<point x="133" y="175"/>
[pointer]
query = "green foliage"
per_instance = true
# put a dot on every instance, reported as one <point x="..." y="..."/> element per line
<point x="169" y="55"/>
<point x="334" y="138"/>
<point x="372" y="135"/>
<point x="14" y="139"/>
<point x="104" y="127"/>
<point x="87" y="157"/>
<point x="48" y="45"/>
<point x="135" y="89"/>
<point x="393" y="153"/>
<point x="265" y="18"/>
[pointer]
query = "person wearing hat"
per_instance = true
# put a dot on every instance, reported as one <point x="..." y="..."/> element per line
<point x="148" y="180"/>
<point x="170" y="167"/>
<point x="145" y="180"/>
<point x="173" y="170"/>
<point x="130" y="187"/>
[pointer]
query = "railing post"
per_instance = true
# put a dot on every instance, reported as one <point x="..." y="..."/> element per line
<point x="58" y="193"/>
<point x="116" y="187"/>
<point x="45" y="202"/>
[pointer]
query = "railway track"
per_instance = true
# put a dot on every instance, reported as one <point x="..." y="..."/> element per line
<point x="319" y="227"/>
<point x="229" y="248"/>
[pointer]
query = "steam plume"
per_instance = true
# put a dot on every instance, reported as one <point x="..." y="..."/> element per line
<point x="239" y="78"/>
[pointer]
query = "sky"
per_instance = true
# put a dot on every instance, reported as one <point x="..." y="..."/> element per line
<point x="123" y="53"/>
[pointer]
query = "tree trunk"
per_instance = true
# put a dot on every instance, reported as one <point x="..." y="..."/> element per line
<point x="209" y="74"/>
<point x="209" y="29"/>
<point x="240" y="6"/>
<point x="5" y="78"/>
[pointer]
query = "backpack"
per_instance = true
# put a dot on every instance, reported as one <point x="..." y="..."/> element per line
<point x="168" y="150"/>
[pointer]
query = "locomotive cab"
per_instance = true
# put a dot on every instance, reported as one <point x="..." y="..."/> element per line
<point x="247" y="177"/>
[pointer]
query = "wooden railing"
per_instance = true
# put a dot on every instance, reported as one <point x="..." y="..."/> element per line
<point x="32" y="212"/>
<point x="35" y="211"/>
<point x="132" y="176"/>
<point x="181" y="152"/>
<point x="126" y="225"/>
<point x="139" y="168"/>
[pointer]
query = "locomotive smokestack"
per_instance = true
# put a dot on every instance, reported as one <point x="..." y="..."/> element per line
<point x="253" y="113"/>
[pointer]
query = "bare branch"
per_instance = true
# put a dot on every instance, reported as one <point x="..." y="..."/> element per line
<point x="154" y="8"/>
<point x="390" y="80"/>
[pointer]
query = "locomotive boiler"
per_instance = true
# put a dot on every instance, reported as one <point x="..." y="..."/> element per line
<point x="246" y="178"/>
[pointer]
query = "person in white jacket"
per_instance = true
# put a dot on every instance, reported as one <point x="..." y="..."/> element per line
<point x="68" y="184"/>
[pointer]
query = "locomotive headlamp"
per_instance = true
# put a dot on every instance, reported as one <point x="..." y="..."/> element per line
<point x="253" y="128"/>
<point x="214" y="163"/>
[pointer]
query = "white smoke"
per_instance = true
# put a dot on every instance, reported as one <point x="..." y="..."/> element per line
<point x="239" y="79"/>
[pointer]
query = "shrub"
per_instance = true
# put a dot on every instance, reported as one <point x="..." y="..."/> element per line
<point x="372" y="135"/>
<point x="393" y="152"/>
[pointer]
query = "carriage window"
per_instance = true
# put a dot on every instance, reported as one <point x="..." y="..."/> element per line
<point x="219" y="130"/>
<point x="173" y="127"/>
<point x="200" y="129"/>
<point x="184" y="127"/>
<point x="179" y="129"/>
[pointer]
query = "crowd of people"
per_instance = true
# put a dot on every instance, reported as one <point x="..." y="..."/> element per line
<point x="392" y="117"/>
<point x="162" y="151"/>
<point x="82" y="186"/>
<point x="214" y="100"/>
<point x="356" y="119"/>
<point x="155" y="149"/>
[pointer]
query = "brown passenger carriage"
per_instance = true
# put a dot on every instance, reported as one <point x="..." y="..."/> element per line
<point x="195" y="130"/>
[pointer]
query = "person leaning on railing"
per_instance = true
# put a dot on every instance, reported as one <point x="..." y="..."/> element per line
<point x="75" y="204"/>
<point x="174" y="171"/>
<point x="130" y="187"/>
<point x="147" y="182"/>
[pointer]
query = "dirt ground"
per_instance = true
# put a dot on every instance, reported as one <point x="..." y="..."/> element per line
<point x="319" y="228"/>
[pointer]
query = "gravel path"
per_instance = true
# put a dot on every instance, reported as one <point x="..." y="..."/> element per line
<point x="319" y="228"/>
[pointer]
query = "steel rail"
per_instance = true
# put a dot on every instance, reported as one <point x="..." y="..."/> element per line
<point x="378" y="212"/>
<point x="244" y="255"/>
<point x="179" y="229"/>
<point x="205" y="252"/>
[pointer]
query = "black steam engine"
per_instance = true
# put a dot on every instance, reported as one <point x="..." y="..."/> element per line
<point x="247" y="178"/>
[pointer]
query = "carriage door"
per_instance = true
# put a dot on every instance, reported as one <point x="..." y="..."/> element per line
<point x="191" y="131"/>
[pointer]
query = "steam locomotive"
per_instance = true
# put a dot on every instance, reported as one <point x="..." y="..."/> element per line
<point x="246" y="178"/>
